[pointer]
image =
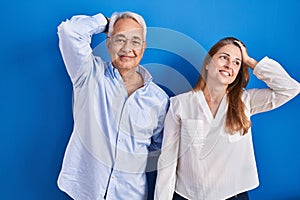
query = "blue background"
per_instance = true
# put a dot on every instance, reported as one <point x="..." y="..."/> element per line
<point x="36" y="93"/>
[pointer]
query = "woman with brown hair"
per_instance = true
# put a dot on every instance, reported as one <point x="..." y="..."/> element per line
<point x="207" y="151"/>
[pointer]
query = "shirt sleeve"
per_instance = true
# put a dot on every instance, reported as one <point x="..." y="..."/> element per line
<point x="156" y="140"/>
<point x="167" y="163"/>
<point x="282" y="87"/>
<point x="75" y="39"/>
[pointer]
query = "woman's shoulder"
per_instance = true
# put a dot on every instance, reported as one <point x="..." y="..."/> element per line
<point x="185" y="96"/>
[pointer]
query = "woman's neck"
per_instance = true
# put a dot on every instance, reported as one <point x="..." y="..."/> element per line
<point x="213" y="97"/>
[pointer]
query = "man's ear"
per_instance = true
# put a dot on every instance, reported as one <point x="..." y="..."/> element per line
<point x="107" y="42"/>
<point x="144" y="46"/>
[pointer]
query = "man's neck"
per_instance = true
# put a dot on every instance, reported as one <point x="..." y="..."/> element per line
<point x="127" y="74"/>
<point x="132" y="80"/>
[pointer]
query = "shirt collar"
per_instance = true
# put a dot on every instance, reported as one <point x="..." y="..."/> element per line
<point x="145" y="74"/>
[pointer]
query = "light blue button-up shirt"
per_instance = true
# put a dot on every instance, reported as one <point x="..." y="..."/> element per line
<point x="116" y="137"/>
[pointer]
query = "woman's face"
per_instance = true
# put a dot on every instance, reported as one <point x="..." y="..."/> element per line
<point x="224" y="66"/>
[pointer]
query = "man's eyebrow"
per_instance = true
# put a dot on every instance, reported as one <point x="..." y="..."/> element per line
<point x="124" y="36"/>
<point x="136" y="37"/>
<point x="120" y="35"/>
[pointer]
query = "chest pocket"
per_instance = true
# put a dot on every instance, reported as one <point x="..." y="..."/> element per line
<point x="235" y="137"/>
<point x="192" y="134"/>
<point x="140" y="123"/>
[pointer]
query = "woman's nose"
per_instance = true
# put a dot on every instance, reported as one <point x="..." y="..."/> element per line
<point x="227" y="65"/>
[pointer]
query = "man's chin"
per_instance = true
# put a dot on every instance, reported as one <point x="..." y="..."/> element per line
<point x="125" y="65"/>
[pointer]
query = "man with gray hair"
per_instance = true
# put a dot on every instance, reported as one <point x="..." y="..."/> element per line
<point x="118" y="111"/>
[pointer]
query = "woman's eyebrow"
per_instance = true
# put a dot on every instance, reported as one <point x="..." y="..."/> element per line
<point x="229" y="55"/>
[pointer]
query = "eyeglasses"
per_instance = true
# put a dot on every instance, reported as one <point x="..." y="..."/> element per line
<point x="120" y="41"/>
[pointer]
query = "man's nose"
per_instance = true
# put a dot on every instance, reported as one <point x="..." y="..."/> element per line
<point x="127" y="46"/>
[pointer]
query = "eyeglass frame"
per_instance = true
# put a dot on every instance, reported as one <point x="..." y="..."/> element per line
<point x="127" y="41"/>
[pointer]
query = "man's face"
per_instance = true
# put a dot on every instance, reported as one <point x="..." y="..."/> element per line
<point x="126" y="45"/>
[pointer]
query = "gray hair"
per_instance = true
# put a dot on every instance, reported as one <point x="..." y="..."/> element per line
<point x="119" y="15"/>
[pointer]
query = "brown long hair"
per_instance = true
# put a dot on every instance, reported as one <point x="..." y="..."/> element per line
<point x="236" y="119"/>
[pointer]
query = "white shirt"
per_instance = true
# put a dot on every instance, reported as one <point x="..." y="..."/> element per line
<point x="199" y="160"/>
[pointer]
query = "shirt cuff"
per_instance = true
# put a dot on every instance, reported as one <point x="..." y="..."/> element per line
<point x="101" y="20"/>
<point x="258" y="68"/>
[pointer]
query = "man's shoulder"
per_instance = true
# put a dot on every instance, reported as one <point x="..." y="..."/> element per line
<point x="158" y="90"/>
